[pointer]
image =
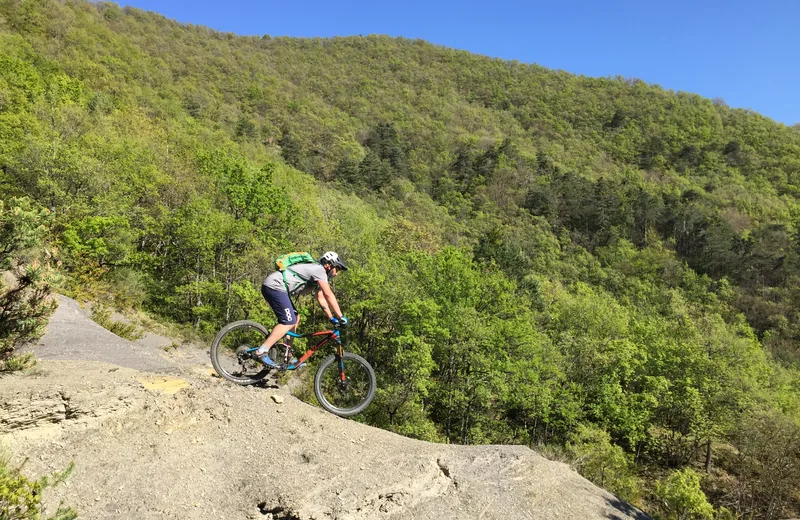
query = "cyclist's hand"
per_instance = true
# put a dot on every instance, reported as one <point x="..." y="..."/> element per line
<point x="344" y="321"/>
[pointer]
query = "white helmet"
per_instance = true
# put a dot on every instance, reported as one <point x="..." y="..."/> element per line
<point x="332" y="258"/>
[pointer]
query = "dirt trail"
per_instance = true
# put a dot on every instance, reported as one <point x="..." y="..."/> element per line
<point x="154" y="435"/>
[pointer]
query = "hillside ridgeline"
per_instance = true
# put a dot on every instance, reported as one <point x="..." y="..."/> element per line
<point x="598" y="267"/>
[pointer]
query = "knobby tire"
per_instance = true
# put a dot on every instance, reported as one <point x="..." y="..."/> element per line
<point x="354" y="396"/>
<point x="233" y="336"/>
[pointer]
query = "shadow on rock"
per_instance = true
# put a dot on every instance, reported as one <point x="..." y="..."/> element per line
<point x="627" y="510"/>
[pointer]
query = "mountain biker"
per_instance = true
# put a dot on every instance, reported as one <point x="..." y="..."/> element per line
<point x="299" y="279"/>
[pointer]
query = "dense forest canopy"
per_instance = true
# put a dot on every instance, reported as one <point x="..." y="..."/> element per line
<point x="598" y="266"/>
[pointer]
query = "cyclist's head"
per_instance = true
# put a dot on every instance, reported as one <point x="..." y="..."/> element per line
<point x="332" y="259"/>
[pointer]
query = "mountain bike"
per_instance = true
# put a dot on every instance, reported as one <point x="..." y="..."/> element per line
<point x="344" y="383"/>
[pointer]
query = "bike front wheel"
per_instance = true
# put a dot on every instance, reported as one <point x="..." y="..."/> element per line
<point x="230" y="352"/>
<point x="345" y="386"/>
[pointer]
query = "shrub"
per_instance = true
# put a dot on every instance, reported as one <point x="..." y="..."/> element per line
<point x="679" y="497"/>
<point x="27" y="278"/>
<point x="102" y="316"/>
<point x="20" y="497"/>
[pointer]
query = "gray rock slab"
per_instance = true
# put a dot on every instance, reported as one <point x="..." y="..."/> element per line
<point x="72" y="335"/>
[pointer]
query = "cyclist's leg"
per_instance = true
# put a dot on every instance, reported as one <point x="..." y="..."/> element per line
<point x="285" y="313"/>
<point x="278" y="331"/>
<point x="289" y="339"/>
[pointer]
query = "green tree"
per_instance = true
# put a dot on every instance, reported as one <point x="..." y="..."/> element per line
<point x="25" y="295"/>
<point x="768" y="464"/>
<point x="680" y="497"/>
<point x="605" y="464"/>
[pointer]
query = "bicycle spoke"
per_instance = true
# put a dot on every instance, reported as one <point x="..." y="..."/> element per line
<point x="349" y="395"/>
<point x="230" y="354"/>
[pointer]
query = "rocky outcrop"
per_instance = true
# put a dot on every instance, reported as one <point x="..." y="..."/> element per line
<point x="189" y="445"/>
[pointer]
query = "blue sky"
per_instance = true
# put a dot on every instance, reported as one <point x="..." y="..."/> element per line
<point x="746" y="52"/>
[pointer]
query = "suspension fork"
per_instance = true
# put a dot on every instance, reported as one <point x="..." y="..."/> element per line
<point x="340" y="355"/>
<point x="342" y="376"/>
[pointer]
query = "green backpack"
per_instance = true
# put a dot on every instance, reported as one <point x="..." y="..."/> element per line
<point x="284" y="262"/>
<point x="296" y="257"/>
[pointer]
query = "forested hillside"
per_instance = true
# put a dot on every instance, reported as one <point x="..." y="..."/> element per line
<point x="597" y="267"/>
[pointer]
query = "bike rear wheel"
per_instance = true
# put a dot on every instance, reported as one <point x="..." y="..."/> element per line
<point x="229" y="352"/>
<point x="349" y="395"/>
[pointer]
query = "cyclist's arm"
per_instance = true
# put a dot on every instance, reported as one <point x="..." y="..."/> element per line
<point x="324" y="304"/>
<point x="326" y="297"/>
